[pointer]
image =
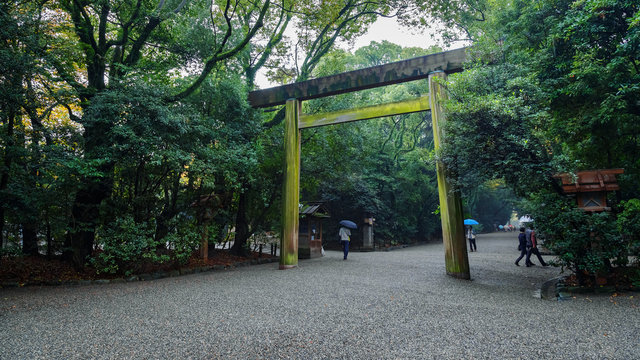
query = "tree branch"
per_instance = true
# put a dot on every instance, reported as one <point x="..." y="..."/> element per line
<point x="273" y="41"/>
<point x="134" y="53"/>
<point x="82" y="22"/>
<point x="102" y="28"/>
<point x="68" y="78"/>
<point x="72" y="116"/>
<point x="219" y="56"/>
<point x="126" y="26"/>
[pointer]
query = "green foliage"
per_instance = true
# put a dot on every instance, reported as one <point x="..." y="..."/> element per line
<point x="455" y="20"/>
<point x="26" y="143"/>
<point x="492" y="130"/>
<point x="119" y="116"/>
<point x="161" y="159"/>
<point x="585" y="57"/>
<point x="585" y="243"/>
<point x="560" y="96"/>
<point x="11" y="251"/>
<point x="380" y="168"/>
<point x="245" y="163"/>
<point x="321" y="25"/>
<point x="490" y="203"/>
<point x="126" y="245"/>
<point x="379" y="53"/>
<point x="124" y="242"/>
<point x="182" y="240"/>
<point x="629" y="224"/>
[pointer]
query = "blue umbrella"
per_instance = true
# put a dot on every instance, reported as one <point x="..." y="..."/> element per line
<point x="470" y="222"/>
<point x="348" y="224"/>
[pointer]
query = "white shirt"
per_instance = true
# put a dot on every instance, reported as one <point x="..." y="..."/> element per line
<point x="344" y="234"/>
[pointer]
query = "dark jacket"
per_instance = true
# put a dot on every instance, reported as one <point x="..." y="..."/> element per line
<point x="522" y="241"/>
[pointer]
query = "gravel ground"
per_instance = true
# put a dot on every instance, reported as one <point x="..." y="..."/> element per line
<point x="377" y="305"/>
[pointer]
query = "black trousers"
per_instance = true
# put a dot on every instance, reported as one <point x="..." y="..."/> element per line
<point x="472" y="245"/>
<point x="534" y="250"/>
<point x="523" y="253"/>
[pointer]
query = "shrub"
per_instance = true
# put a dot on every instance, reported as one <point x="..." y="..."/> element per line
<point x="588" y="244"/>
<point x="183" y="239"/>
<point x="628" y="223"/>
<point x="125" y="244"/>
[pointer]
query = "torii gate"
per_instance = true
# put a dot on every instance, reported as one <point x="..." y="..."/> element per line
<point x="430" y="66"/>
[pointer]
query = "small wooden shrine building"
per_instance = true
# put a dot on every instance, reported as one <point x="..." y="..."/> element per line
<point x="310" y="229"/>
<point x="590" y="187"/>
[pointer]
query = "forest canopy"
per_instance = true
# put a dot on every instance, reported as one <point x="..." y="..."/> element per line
<point x="125" y="133"/>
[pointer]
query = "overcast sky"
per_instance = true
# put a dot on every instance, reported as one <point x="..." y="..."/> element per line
<point x="383" y="29"/>
<point x="389" y="29"/>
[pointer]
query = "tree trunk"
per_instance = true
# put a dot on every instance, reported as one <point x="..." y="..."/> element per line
<point x="29" y="239"/>
<point x="85" y="213"/>
<point x="85" y="219"/>
<point x="49" y="240"/>
<point x="168" y="212"/>
<point x="204" y="242"/>
<point x="242" y="225"/>
<point x="4" y="179"/>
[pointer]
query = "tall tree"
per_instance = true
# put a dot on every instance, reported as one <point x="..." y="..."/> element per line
<point x="256" y="196"/>
<point x="26" y="103"/>
<point x="14" y="63"/>
<point x="115" y="42"/>
<point x="563" y="85"/>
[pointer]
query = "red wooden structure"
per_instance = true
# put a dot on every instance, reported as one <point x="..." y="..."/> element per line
<point x="591" y="187"/>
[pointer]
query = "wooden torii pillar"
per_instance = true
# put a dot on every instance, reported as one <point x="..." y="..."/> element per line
<point x="291" y="186"/>
<point x="451" y="213"/>
<point x="431" y="66"/>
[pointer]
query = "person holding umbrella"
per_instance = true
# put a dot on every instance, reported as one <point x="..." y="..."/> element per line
<point x="471" y="234"/>
<point x="345" y="235"/>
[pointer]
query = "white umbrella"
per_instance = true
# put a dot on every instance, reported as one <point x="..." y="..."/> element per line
<point x="525" y="219"/>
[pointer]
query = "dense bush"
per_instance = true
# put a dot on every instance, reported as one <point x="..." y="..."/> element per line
<point x="629" y="225"/>
<point x="125" y="246"/>
<point x="589" y="244"/>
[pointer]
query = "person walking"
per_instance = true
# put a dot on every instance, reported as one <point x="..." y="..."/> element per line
<point x="522" y="246"/>
<point x="345" y="237"/>
<point x="472" y="239"/>
<point x="532" y="247"/>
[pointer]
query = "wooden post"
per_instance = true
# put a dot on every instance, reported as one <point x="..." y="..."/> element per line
<point x="291" y="188"/>
<point x="451" y="215"/>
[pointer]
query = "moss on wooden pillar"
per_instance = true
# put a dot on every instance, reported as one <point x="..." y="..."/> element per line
<point x="451" y="213"/>
<point x="291" y="187"/>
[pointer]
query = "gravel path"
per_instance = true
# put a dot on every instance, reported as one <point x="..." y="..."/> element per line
<point x="380" y="305"/>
